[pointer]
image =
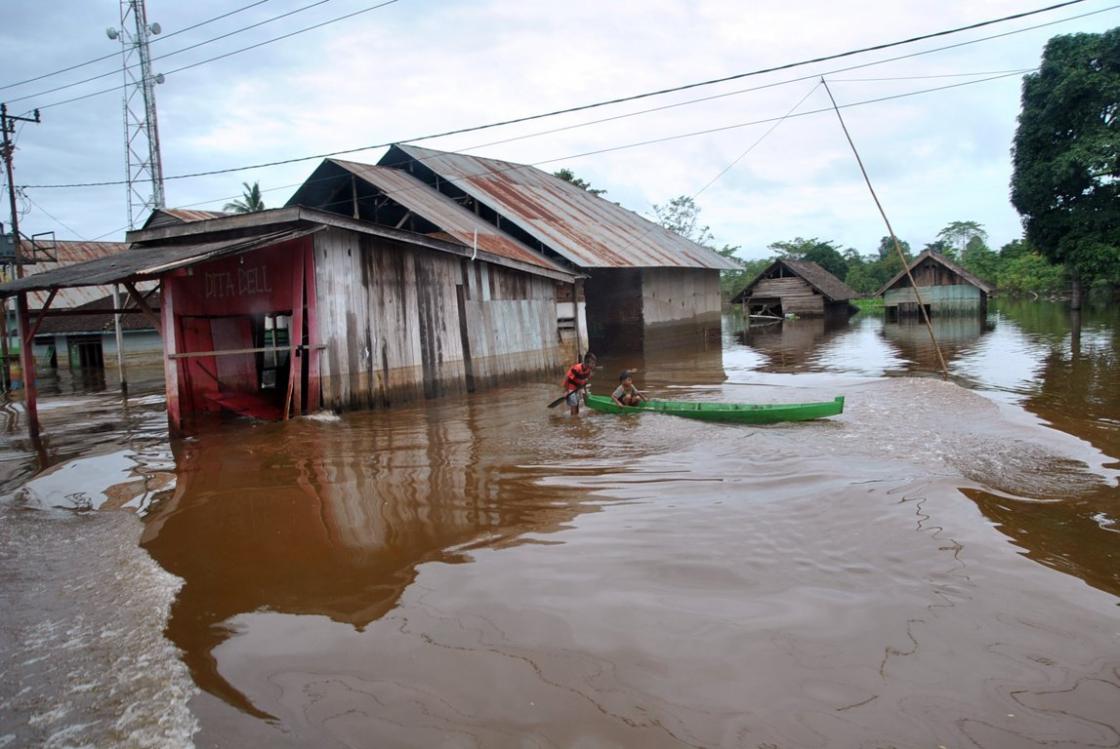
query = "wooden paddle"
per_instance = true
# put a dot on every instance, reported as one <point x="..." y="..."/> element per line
<point x="561" y="399"/>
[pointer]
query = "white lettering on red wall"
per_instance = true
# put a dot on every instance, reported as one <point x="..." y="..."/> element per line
<point x="245" y="282"/>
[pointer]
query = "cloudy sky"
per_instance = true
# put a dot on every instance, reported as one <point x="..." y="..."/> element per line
<point x="417" y="67"/>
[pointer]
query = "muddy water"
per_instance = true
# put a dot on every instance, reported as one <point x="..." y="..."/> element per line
<point x="938" y="566"/>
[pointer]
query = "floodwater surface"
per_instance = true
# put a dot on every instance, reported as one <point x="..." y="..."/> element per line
<point x="936" y="567"/>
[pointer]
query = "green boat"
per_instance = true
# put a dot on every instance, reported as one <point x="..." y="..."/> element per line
<point x="737" y="413"/>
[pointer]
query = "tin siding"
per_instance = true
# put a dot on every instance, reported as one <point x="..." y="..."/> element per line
<point x="389" y="316"/>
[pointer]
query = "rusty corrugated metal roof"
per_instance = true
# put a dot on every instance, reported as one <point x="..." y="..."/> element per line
<point x="458" y="224"/>
<point x="146" y="263"/>
<point x="48" y="256"/>
<point x="588" y="230"/>
<point x="170" y="216"/>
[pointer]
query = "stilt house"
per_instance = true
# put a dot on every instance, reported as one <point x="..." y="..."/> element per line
<point x="945" y="288"/>
<point x="796" y="287"/>
<point x="644" y="285"/>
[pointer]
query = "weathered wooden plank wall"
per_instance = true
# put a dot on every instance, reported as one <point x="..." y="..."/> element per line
<point x="389" y="315"/>
<point x="675" y="294"/>
<point x="797" y="296"/>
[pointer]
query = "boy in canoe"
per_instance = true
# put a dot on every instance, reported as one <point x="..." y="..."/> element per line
<point x="579" y="374"/>
<point x="626" y="394"/>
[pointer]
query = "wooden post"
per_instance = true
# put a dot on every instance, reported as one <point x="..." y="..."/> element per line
<point x="295" y="339"/>
<point x="6" y="372"/>
<point x="27" y="362"/>
<point x="169" y="331"/>
<point x="120" y="336"/>
<point x="313" y="352"/>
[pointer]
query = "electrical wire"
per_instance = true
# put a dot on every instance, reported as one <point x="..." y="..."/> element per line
<point x="115" y="54"/>
<point x="237" y="52"/>
<point x="169" y="54"/>
<point x="476" y="128"/>
<point x="50" y="216"/>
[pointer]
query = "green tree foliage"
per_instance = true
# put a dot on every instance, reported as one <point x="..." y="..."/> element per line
<point x="569" y="176"/>
<point x="250" y="201"/>
<point x="980" y="260"/>
<point x="1066" y="155"/>
<point x="824" y="253"/>
<point x="682" y="215"/>
<point x="956" y="236"/>
<point x="1030" y="273"/>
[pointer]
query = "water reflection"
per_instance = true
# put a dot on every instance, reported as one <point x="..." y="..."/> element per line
<point x="333" y="518"/>
<point x="791" y="345"/>
<point x="956" y="337"/>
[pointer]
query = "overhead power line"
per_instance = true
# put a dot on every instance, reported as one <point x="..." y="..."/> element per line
<point x="595" y="105"/>
<point x="117" y="54"/>
<point x="792" y="114"/>
<point x="203" y="43"/>
<point x="290" y="34"/>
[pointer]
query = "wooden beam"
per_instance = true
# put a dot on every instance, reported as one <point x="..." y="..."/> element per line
<point x="27" y="364"/>
<point x="313" y="346"/>
<point x="143" y="305"/>
<point x="39" y="320"/>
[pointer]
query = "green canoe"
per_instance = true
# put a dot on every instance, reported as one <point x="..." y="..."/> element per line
<point x="739" y="413"/>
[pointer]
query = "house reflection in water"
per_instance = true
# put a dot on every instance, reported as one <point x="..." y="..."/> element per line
<point x="331" y="519"/>
<point x="792" y="345"/>
<point x="956" y="336"/>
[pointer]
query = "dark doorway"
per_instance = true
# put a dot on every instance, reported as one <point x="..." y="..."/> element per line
<point x="86" y="353"/>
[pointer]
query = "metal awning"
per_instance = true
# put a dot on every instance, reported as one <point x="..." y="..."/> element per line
<point x="146" y="263"/>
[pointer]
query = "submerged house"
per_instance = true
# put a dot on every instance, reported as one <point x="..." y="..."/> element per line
<point x="797" y="287"/>
<point x="945" y="289"/>
<point x="85" y="339"/>
<point x="284" y="311"/>
<point x="643" y="286"/>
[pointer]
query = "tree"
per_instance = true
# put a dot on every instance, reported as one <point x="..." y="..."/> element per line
<point x="250" y="201"/>
<point x="941" y="247"/>
<point x="682" y="216"/>
<point x="822" y="252"/>
<point x="569" y="176"/>
<point x="957" y="234"/>
<point x="886" y="249"/>
<point x="979" y="259"/>
<point x="1066" y="159"/>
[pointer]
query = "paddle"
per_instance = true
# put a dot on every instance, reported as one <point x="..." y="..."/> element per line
<point x="560" y="400"/>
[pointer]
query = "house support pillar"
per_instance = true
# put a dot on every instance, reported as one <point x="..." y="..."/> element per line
<point x="167" y="329"/>
<point x="27" y="363"/>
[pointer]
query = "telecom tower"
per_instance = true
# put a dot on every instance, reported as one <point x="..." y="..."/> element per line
<point x="143" y="167"/>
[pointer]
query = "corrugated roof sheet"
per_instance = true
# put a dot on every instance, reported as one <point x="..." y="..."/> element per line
<point x="49" y="256"/>
<point x="146" y="262"/>
<point x="100" y="323"/>
<point x="458" y="224"/>
<point x="588" y="230"/>
<point x="976" y="281"/>
<point x="169" y="216"/>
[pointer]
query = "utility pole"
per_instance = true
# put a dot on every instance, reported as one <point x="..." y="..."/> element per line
<point x="8" y="128"/>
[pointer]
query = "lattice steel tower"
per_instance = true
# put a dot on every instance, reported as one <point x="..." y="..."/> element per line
<point x="143" y="167"/>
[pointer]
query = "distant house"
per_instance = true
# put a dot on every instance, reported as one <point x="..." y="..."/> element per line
<point x="641" y="285"/>
<point x="945" y="289"/>
<point x="796" y="287"/>
<point x="87" y="339"/>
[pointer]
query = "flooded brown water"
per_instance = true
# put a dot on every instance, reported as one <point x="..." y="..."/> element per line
<point x="936" y="567"/>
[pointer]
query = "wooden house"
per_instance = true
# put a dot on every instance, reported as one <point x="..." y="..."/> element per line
<point x="945" y="289"/>
<point x="796" y="287"/>
<point x="288" y="310"/>
<point x="643" y="287"/>
<point x="86" y="338"/>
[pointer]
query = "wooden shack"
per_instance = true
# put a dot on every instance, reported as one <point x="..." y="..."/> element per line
<point x="796" y="287"/>
<point x="284" y="311"/>
<point x="945" y="288"/>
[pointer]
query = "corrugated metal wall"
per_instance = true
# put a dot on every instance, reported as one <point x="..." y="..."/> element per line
<point x="399" y="321"/>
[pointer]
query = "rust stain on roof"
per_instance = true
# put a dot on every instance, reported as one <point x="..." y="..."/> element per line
<point x="588" y="230"/>
<point x="48" y="256"/>
<point x="456" y="222"/>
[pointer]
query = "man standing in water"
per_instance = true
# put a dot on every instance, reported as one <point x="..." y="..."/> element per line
<point x="579" y="374"/>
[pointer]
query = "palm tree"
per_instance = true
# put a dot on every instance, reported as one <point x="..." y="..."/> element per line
<point x="250" y="201"/>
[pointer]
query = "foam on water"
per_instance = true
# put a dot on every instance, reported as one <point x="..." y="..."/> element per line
<point x="85" y="662"/>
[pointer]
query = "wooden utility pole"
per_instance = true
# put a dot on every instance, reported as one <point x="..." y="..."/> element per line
<point x="8" y="128"/>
